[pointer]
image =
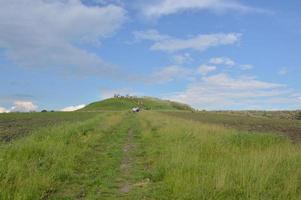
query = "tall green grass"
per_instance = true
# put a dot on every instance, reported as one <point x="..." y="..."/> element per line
<point x="190" y="160"/>
<point x="33" y="167"/>
<point x="171" y="158"/>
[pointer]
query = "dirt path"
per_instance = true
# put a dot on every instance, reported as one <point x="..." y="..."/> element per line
<point x="126" y="164"/>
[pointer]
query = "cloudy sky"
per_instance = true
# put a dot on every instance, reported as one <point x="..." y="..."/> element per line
<point x="211" y="54"/>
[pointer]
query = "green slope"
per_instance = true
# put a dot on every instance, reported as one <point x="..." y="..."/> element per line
<point x="147" y="103"/>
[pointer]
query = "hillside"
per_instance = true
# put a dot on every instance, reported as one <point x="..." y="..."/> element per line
<point x="124" y="103"/>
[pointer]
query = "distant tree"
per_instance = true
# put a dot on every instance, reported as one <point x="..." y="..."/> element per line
<point x="43" y="111"/>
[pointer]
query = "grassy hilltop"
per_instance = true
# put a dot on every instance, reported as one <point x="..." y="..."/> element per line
<point x="147" y="103"/>
<point x="151" y="155"/>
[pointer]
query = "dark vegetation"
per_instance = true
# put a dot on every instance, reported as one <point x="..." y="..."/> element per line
<point x="283" y="114"/>
<point x="15" y="125"/>
<point x="248" y="121"/>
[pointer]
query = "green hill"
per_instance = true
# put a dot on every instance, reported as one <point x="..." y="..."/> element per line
<point x="147" y="103"/>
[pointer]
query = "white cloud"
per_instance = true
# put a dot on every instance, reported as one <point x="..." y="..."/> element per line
<point x="44" y="34"/>
<point x="23" y="106"/>
<point x="155" y="9"/>
<point x="73" y="108"/>
<point x="3" y="110"/>
<point x="222" y="91"/>
<point x="199" y="43"/>
<point x="151" y="34"/>
<point x="242" y="83"/>
<point x="283" y="71"/>
<point x="180" y="59"/>
<point x="229" y="62"/>
<point x="222" y="61"/>
<point x="106" y="2"/>
<point x="205" y="69"/>
<point x="246" y="67"/>
<point x="170" y="73"/>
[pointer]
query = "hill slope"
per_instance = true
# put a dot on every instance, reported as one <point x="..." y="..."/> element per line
<point x="147" y="103"/>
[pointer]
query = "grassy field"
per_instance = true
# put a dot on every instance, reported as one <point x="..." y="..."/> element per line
<point x="148" y="155"/>
<point x="15" y="125"/>
<point x="293" y="115"/>
<point x="251" y="122"/>
<point x="190" y="160"/>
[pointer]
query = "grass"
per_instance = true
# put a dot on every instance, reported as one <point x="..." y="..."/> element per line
<point x="155" y="155"/>
<point x="33" y="166"/>
<point x="16" y="125"/>
<point x="70" y="161"/>
<point x="146" y="103"/>
<point x="242" y="121"/>
<point x="283" y="114"/>
<point x="189" y="160"/>
<point x="95" y="174"/>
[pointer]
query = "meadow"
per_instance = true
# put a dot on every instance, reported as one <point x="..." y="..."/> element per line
<point x="271" y="122"/>
<point x="15" y="125"/>
<point x="147" y="155"/>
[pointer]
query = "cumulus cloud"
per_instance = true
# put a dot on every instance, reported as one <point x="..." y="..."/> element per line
<point x="205" y="69"/>
<point x="49" y="34"/>
<point x="106" y="2"/>
<point x="221" y="91"/>
<point x="23" y="106"/>
<point x="170" y="73"/>
<point x="225" y="61"/>
<point x="151" y="34"/>
<point x="3" y="110"/>
<point x="73" y="108"/>
<point x="180" y="59"/>
<point x="246" y="67"/>
<point x="199" y="43"/>
<point x="155" y="9"/>
<point x="222" y="61"/>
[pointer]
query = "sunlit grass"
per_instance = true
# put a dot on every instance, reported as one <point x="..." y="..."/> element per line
<point x="191" y="160"/>
<point x="171" y="158"/>
<point x="32" y="167"/>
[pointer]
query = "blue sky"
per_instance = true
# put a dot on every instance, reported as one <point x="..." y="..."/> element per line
<point x="211" y="54"/>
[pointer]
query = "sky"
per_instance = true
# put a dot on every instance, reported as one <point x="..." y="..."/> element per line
<point x="210" y="54"/>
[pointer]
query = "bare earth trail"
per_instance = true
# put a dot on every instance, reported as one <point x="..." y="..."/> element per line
<point x="106" y="169"/>
<point x="112" y="168"/>
<point x="126" y="164"/>
<point x="131" y="179"/>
